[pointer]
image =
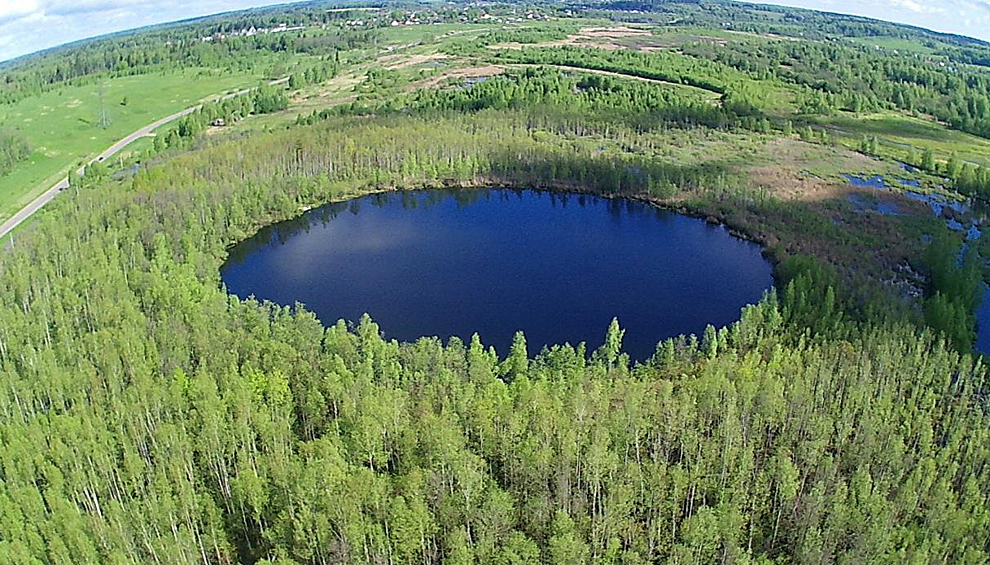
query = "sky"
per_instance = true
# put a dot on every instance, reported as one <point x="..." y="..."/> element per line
<point x="30" y="25"/>
<point x="963" y="17"/>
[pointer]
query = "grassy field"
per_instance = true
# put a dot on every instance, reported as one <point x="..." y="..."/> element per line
<point x="906" y="131"/>
<point x="64" y="126"/>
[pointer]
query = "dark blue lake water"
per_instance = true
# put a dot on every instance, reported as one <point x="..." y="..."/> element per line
<point x="559" y="267"/>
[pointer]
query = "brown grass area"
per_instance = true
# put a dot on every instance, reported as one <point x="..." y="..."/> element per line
<point x="786" y="174"/>
<point x="608" y="38"/>
<point x="334" y="91"/>
<point x="461" y="73"/>
<point x="574" y="40"/>
<point x="340" y="84"/>
<point x="612" y="32"/>
<point x="802" y="177"/>
<point x="399" y="61"/>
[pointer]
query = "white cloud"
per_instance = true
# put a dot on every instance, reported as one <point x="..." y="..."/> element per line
<point x="11" y="10"/>
<point x="962" y="17"/>
<point x="79" y="7"/>
<point x="917" y="7"/>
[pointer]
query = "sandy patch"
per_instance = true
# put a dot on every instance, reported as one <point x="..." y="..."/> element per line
<point x="74" y="103"/>
<point x="340" y="84"/>
<point x="661" y="43"/>
<point x="613" y="32"/>
<point x="462" y="73"/>
<point x="395" y="62"/>
<point x="599" y="37"/>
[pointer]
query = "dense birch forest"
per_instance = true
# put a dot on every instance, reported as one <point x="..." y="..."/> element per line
<point x="149" y="417"/>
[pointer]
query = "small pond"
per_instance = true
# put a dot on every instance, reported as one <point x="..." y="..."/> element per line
<point x="493" y="261"/>
<point x="967" y="217"/>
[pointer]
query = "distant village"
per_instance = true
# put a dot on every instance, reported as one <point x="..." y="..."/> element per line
<point x="252" y="31"/>
<point x="385" y="18"/>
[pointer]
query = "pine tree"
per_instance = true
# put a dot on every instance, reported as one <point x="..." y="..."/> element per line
<point x="517" y="363"/>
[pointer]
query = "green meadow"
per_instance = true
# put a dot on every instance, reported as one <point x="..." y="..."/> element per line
<point x="64" y="129"/>
<point x="900" y="130"/>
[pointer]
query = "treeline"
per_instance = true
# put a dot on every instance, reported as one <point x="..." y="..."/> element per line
<point x="967" y="178"/>
<point x="314" y="74"/>
<point x="790" y="22"/>
<point x="863" y="80"/>
<point x="149" y="52"/>
<point x="529" y="35"/>
<point x="509" y="150"/>
<point x="13" y="148"/>
<point x="265" y="99"/>
<point x="598" y="97"/>
<point x="955" y="277"/>
<point x="593" y="99"/>
<point x="548" y="32"/>
<point x="150" y="417"/>
<point x="739" y="90"/>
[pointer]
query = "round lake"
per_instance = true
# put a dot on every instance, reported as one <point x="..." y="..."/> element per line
<point x="558" y="267"/>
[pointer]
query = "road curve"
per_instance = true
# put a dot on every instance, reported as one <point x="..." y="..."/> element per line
<point x="46" y="197"/>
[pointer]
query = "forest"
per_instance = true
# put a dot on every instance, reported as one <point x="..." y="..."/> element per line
<point x="168" y="47"/>
<point x="148" y="416"/>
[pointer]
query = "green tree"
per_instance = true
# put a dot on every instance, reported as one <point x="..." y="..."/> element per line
<point x="517" y="363"/>
<point x="928" y="160"/>
<point x="565" y="545"/>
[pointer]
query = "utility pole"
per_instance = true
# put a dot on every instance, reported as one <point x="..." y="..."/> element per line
<point x="103" y="119"/>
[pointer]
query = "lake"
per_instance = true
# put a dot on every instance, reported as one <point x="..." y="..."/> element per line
<point x="493" y="261"/>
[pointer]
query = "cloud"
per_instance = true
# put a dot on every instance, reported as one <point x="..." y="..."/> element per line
<point x="13" y="10"/>
<point x="83" y="7"/>
<point x="962" y="17"/>
<point x="916" y="7"/>
<point x="27" y="26"/>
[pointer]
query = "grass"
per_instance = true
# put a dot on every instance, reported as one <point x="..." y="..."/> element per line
<point x="681" y="35"/>
<point x="63" y="125"/>
<point x="906" y="131"/>
<point x="421" y="33"/>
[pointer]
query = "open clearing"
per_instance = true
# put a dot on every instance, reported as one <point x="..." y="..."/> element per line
<point x="463" y="73"/>
<point x="907" y="131"/>
<point x="70" y="132"/>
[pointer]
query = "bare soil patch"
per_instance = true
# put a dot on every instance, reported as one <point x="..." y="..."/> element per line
<point x="608" y="38"/>
<point x="612" y="32"/>
<point x="461" y="73"/>
<point x="399" y="61"/>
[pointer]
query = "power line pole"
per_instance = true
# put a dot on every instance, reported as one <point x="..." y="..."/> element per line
<point x="104" y="117"/>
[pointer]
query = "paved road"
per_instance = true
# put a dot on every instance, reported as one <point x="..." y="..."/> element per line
<point x="61" y="185"/>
